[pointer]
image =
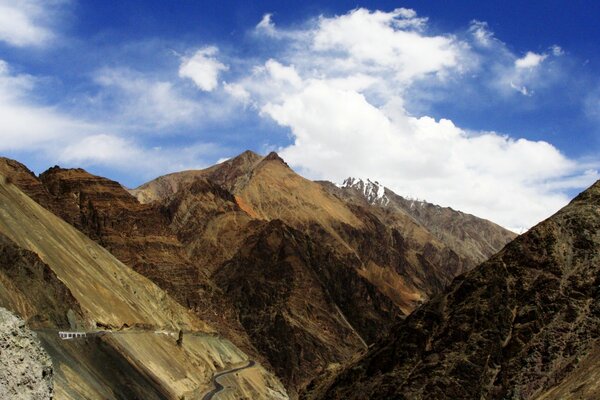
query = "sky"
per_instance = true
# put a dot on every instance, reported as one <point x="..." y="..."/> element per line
<point x="492" y="108"/>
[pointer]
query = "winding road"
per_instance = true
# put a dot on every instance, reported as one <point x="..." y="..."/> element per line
<point x="218" y="386"/>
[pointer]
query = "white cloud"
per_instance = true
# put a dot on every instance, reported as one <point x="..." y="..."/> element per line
<point x="338" y="133"/>
<point x="530" y="60"/>
<point x="26" y="124"/>
<point x="27" y="22"/>
<point x="237" y="91"/>
<point x="144" y="101"/>
<point x="266" y="25"/>
<point x="481" y="33"/>
<point x="369" y="40"/>
<point x="118" y="153"/>
<point x="203" y="68"/>
<point x="340" y="88"/>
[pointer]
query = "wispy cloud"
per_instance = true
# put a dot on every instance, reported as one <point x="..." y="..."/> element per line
<point x="28" y="22"/>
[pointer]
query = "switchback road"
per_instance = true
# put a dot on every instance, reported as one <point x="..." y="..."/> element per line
<point x="215" y="379"/>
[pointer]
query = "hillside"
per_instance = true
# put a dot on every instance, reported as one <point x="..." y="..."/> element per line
<point x="474" y="239"/>
<point x="82" y="286"/>
<point x="523" y="325"/>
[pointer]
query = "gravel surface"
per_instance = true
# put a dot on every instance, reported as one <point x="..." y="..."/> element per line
<point x="26" y="368"/>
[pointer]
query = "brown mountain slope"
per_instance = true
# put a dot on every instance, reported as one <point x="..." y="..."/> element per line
<point x="139" y="235"/>
<point x="474" y="239"/>
<point x="409" y="263"/>
<point x="75" y="275"/>
<point x="394" y="256"/>
<point x="295" y="299"/>
<point x="243" y="252"/>
<point x="523" y="325"/>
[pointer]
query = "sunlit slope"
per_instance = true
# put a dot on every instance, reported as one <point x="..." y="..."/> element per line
<point x="110" y="295"/>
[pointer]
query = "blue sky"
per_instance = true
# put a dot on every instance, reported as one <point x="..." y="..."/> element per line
<point x="488" y="107"/>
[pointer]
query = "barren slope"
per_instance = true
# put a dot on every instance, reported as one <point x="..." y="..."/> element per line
<point x="523" y="325"/>
<point x="101" y="291"/>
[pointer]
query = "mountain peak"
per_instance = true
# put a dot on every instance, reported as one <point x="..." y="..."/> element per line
<point x="373" y="191"/>
<point x="273" y="156"/>
<point x="249" y="155"/>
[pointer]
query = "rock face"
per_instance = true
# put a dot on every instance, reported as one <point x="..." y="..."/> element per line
<point x="26" y="372"/>
<point x="523" y="325"/>
<point x="287" y="291"/>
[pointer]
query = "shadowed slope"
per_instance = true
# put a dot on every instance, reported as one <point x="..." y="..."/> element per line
<point x="524" y="324"/>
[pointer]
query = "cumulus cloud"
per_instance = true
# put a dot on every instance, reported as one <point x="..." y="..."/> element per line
<point x="530" y="60"/>
<point x="27" y="22"/>
<point x="341" y="88"/>
<point x="368" y="40"/>
<point x="203" y="68"/>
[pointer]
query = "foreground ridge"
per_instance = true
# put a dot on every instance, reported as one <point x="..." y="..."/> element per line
<point x="524" y="324"/>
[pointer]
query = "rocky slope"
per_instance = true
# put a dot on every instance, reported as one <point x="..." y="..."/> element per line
<point x="26" y="372"/>
<point x="83" y="286"/>
<point x="474" y="239"/>
<point x="523" y="325"/>
<point x="296" y="298"/>
<point x="139" y="235"/>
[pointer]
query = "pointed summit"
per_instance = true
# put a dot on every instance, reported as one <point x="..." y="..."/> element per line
<point x="373" y="191"/>
<point x="274" y="156"/>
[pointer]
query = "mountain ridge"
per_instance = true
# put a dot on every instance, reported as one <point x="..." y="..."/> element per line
<point x="524" y="324"/>
<point x="195" y="234"/>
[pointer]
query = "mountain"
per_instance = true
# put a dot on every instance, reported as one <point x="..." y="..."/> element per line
<point x="367" y="265"/>
<point x="56" y="278"/>
<point x="523" y="325"/>
<point x="298" y="275"/>
<point x="474" y="239"/>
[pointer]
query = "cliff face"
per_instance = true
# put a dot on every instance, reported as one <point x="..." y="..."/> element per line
<point x="523" y="325"/>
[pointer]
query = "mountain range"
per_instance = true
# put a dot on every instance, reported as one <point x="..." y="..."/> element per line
<point x="330" y="291"/>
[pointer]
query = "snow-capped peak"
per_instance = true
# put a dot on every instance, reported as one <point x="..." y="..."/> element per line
<point x="373" y="191"/>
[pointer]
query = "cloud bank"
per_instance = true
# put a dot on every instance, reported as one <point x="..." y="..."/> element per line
<point x="341" y="88"/>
